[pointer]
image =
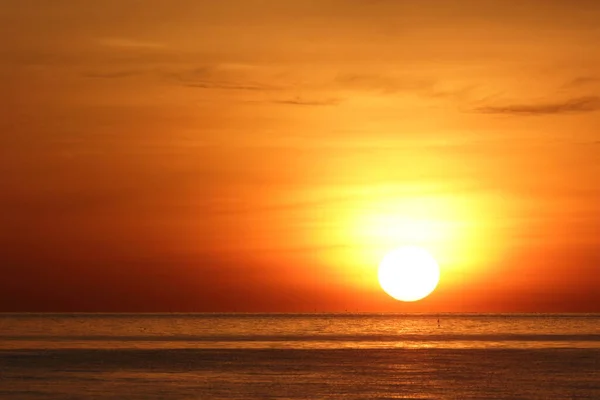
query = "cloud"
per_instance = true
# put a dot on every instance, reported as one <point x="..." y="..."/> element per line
<point x="583" y="81"/>
<point x="382" y="83"/>
<point x="576" y="105"/>
<point x="129" y="43"/>
<point x="224" y="77"/>
<point x="229" y="86"/>
<point x="391" y="84"/>
<point x="114" y="74"/>
<point x="302" y="102"/>
<point x="227" y="77"/>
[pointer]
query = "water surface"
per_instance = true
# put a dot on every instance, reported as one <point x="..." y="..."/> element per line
<point x="299" y="356"/>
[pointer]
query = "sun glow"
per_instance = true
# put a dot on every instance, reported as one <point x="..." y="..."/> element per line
<point x="409" y="273"/>
<point x="357" y="231"/>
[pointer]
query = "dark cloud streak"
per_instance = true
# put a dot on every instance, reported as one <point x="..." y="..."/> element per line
<point x="572" y="106"/>
<point x="583" y="81"/>
<point x="114" y="74"/>
<point x="301" y="102"/>
<point x="230" y="86"/>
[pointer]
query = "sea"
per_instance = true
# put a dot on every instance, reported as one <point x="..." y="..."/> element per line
<point x="299" y="356"/>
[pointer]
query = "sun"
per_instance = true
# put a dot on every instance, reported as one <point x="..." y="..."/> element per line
<point x="409" y="273"/>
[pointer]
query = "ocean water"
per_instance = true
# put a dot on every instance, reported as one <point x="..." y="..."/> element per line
<point x="299" y="356"/>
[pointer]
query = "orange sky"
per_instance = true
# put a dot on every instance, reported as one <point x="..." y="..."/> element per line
<point x="263" y="155"/>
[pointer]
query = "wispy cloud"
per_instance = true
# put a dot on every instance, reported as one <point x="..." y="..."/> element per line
<point x="304" y="102"/>
<point x="582" y="81"/>
<point x="383" y="83"/>
<point x="229" y="86"/>
<point x="115" y="74"/>
<point x="392" y="84"/>
<point x="220" y="77"/>
<point x="571" y="106"/>
<point x="129" y="43"/>
<point x="231" y="77"/>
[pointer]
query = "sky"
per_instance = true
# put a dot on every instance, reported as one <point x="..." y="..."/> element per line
<point x="264" y="155"/>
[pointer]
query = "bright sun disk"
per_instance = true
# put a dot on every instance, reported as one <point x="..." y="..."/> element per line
<point x="409" y="273"/>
